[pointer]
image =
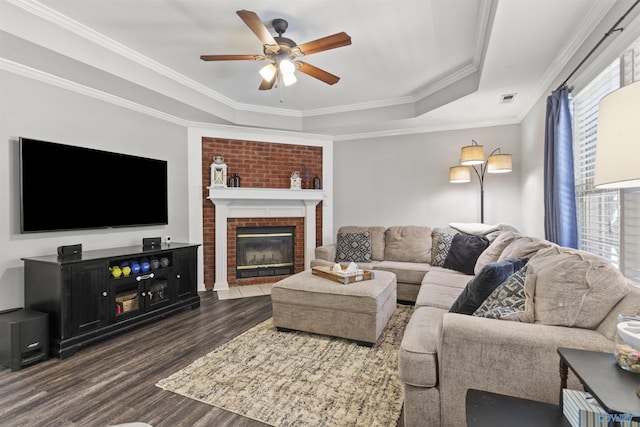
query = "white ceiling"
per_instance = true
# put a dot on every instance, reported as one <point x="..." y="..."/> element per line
<point x="435" y="64"/>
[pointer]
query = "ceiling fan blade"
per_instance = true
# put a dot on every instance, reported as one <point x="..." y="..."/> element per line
<point x="265" y="85"/>
<point x="259" y="29"/>
<point x="231" y="57"/>
<point x="317" y="73"/>
<point x="325" y="43"/>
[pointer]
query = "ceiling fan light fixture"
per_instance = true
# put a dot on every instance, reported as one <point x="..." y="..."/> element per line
<point x="289" y="79"/>
<point x="287" y="68"/>
<point x="268" y="72"/>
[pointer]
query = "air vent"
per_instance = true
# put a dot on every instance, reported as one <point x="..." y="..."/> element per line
<point x="504" y="99"/>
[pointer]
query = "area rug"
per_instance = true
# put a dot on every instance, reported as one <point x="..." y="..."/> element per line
<point x="300" y="379"/>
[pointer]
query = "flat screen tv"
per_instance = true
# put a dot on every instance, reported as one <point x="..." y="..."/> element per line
<point x="64" y="187"/>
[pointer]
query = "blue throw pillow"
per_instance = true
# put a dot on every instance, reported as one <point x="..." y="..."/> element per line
<point x="464" y="252"/>
<point x="481" y="286"/>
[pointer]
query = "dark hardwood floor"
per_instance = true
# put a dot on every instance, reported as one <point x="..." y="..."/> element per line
<point x="113" y="382"/>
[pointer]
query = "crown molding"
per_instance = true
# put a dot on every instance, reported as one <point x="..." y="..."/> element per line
<point x="423" y="129"/>
<point x="41" y="76"/>
<point x="259" y="134"/>
<point x="50" y="15"/>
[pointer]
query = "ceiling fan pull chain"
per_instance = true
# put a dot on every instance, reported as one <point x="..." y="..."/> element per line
<point x="281" y="86"/>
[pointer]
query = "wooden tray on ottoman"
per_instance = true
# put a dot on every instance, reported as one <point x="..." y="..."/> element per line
<point x="326" y="271"/>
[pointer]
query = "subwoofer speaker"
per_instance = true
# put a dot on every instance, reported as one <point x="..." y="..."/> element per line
<point x="70" y="250"/>
<point x="24" y="338"/>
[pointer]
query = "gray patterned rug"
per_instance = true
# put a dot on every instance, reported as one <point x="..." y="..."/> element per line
<point x="300" y="379"/>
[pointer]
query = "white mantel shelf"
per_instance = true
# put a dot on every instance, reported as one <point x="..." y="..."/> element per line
<point x="261" y="203"/>
<point x="222" y="193"/>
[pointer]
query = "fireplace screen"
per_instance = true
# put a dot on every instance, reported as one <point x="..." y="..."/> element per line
<point x="264" y="251"/>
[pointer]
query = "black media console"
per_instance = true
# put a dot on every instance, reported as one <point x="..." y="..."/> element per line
<point x="96" y="294"/>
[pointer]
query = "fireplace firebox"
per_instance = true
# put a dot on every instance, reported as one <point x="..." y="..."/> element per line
<point x="264" y="251"/>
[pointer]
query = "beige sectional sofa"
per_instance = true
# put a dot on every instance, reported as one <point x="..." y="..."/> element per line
<point x="567" y="298"/>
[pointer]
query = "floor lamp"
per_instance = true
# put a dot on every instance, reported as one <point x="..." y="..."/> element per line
<point x="472" y="157"/>
<point x="618" y="143"/>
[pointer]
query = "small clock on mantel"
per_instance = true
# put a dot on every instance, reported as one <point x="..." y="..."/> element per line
<point x="218" y="172"/>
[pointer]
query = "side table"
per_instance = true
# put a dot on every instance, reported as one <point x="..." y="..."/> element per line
<point x="613" y="387"/>
<point x="485" y="409"/>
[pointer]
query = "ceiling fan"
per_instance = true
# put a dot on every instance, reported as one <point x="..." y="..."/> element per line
<point x="281" y="52"/>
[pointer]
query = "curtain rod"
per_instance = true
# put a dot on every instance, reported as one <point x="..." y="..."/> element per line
<point x="612" y="30"/>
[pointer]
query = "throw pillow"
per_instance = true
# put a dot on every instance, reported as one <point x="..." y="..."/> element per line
<point x="493" y="252"/>
<point x="524" y="247"/>
<point x="353" y="247"/>
<point x="507" y="301"/>
<point x="442" y="238"/>
<point x="377" y="238"/>
<point x="464" y="252"/>
<point x="481" y="286"/>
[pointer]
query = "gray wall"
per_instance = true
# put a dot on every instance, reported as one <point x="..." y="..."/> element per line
<point x="42" y="111"/>
<point x="403" y="180"/>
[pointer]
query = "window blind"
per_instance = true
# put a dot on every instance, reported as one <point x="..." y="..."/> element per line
<point x="608" y="220"/>
<point x="598" y="210"/>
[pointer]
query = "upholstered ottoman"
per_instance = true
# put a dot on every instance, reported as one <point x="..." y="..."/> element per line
<point x="358" y="311"/>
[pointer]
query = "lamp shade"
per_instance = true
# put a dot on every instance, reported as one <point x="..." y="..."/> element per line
<point x="459" y="174"/>
<point x="499" y="163"/>
<point x="618" y="139"/>
<point x="268" y="72"/>
<point x="289" y="79"/>
<point x="287" y="68"/>
<point x="472" y="155"/>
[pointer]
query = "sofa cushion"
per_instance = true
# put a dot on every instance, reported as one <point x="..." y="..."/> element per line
<point x="408" y="244"/>
<point x="440" y="288"/>
<point x="464" y="252"/>
<point x="406" y="272"/>
<point x="377" y="238"/>
<point x="353" y="247"/>
<point x="481" y="286"/>
<point x="441" y="243"/>
<point x="630" y="304"/>
<point x="524" y="247"/>
<point x="442" y="297"/>
<point x="493" y="252"/>
<point x="507" y="300"/>
<point x="418" y="354"/>
<point x="568" y="287"/>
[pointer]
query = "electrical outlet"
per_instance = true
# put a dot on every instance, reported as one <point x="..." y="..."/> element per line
<point x="168" y="240"/>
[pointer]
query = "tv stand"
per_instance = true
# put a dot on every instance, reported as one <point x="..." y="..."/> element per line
<point x="87" y="300"/>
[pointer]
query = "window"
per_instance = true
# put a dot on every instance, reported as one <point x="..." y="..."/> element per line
<point x="608" y="220"/>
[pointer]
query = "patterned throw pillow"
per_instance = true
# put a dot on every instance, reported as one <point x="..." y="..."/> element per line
<point x="354" y="247"/>
<point x="442" y="238"/>
<point x="507" y="300"/>
<point x="484" y="283"/>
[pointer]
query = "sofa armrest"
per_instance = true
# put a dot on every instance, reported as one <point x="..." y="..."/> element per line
<point x="327" y="252"/>
<point x="512" y="358"/>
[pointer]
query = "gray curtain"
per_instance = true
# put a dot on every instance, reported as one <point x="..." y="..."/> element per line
<point x="560" y="221"/>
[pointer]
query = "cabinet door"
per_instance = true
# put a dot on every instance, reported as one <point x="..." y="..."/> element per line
<point x="157" y="292"/>
<point x="88" y="289"/>
<point x="184" y="269"/>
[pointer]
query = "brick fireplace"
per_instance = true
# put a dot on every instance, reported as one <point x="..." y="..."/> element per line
<point x="264" y="199"/>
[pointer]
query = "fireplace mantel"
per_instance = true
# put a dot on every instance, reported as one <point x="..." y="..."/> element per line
<point x="261" y="203"/>
<point x="263" y="194"/>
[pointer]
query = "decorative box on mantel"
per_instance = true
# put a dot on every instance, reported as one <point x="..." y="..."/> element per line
<point x="261" y="203"/>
